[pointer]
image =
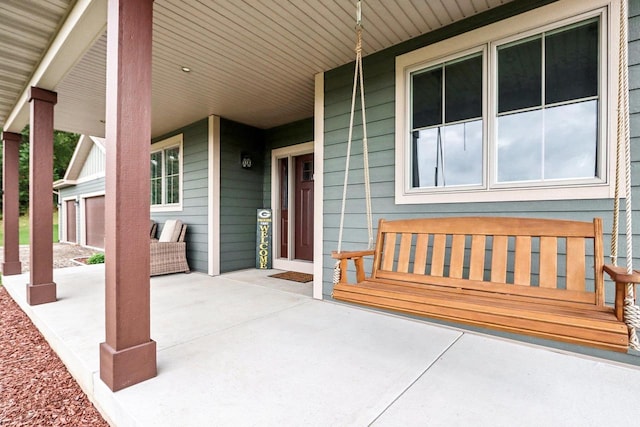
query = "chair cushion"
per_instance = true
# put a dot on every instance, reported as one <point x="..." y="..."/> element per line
<point x="171" y="231"/>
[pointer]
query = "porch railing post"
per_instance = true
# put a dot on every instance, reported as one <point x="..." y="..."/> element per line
<point x="128" y="355"/>
<point x="41" y="287"/>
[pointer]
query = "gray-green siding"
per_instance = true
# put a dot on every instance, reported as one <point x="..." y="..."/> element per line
<point x="87" y="187"/>
<point x="195" y="193"/>
<point x="240" y="194"/>
<point x="379" y="70"/>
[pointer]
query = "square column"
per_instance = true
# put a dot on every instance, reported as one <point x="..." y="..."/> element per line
<point x="11" y="202"/>
<point x="41" y="288"/>
<point x="128" y="355"/>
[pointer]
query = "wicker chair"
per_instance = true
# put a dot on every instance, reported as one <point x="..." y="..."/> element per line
<point x="170" y="256"/>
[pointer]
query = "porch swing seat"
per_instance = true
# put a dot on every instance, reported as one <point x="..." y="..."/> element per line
<point x="520" y="275"/>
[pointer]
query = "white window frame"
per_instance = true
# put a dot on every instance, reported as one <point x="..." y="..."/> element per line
<point x="552" y="16"/>
<point x="172" y="142"/>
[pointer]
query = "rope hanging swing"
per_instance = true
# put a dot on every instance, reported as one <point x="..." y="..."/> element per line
<point x="623" y="159"/>
<point x="358" y="84"/>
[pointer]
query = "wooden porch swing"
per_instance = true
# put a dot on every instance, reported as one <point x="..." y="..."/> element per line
<point x="522" y="275"/>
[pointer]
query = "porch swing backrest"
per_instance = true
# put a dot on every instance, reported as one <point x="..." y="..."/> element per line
<point x="511" y="256"/>
<point x="539" y="277"/>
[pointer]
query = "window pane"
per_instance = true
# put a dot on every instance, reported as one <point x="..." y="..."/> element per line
<point x="156" y="191"/>
<point x="156" y="178"/>
<point x="520" y="76"/>
<point x="520" y="146"/>
<point x="571" y="62"/>
<point x="426" y="89"/>
<point x="156" y="164"/>
<point x="571" y="141"/>
<point x="173" y="189"/>
<point x="172" y="161"/>
<point x="448" y="155"/>
<point x="463" y="89"/>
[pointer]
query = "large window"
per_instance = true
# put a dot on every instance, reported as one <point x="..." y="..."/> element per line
<point x="507" y="113"/>
<point x="166" y="174"/>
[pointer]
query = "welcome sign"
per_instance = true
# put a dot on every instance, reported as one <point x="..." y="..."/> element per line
<point x="263" y="239"/>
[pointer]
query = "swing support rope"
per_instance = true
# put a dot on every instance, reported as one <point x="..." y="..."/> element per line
<point x="623" y="155"/>
<point x="358" y="84"/>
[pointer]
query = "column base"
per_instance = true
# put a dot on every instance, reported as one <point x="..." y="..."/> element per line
<point x="124" y="368"/>
<point x="11" y="268"/>
<point x="41" y="294"/>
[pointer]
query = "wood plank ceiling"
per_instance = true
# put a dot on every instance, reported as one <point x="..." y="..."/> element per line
<point x="252" y="61"/>
<point x="26" y="31"/>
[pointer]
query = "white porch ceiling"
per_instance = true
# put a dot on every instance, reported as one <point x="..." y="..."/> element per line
<point x="252" y="61"/>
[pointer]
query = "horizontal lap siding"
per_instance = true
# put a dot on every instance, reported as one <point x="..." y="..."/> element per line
<point x="241" y="194"/>
<point x="379" y="72"/>
<point x="283" y="136"/>
<point x="195" y="193"/>
<point x="87" y="187"/>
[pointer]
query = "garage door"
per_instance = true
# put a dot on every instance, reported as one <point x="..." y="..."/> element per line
<point x="94" y="221"/>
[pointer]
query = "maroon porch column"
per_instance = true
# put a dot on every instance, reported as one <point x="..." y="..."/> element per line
<point x="129" y="355"/>
<point x="41" y="288"/>
<point x="11" y="202"/>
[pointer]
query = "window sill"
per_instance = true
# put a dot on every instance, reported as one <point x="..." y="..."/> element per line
<point x="167" y="208"/>
<point x="602" y="191"/>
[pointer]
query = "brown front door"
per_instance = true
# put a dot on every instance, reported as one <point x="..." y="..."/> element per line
<point x="304" y="207"/>
<point x="70" y="206"/>
<point x="94" y="221"/>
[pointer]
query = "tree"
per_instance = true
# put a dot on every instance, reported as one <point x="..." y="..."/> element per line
<point x="64" y="144"/>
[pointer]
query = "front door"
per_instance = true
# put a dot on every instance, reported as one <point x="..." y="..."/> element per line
<point x="292" y="196"/>
<point x="304" y="207"/>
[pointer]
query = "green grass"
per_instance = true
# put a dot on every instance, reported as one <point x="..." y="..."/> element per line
<point x="23" y="230"/>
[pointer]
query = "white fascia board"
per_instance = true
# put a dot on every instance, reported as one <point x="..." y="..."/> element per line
<point x="86" y="22"/>
<point x="69" y="174"/>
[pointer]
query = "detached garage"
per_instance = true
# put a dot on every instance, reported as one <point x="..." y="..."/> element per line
<point x="81" y="195"/>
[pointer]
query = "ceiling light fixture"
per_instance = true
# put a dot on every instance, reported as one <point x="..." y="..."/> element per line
<point x="185" y="69"/>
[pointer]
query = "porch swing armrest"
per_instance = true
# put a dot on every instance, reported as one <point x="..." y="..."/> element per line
<point x="356" y="256"/>
<point x="351" y="254"/>
<point x="620" y="276"/>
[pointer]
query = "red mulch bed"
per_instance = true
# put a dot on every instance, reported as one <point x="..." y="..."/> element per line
<point x="35" y="387"/>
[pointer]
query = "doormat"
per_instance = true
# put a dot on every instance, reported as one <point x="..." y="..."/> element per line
<point x="294" y="276"/>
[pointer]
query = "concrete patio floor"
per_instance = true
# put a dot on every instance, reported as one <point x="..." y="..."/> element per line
<point x="246" y="349"/>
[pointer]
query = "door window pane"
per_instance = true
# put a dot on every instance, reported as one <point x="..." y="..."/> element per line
<point x="520" y="75"/>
